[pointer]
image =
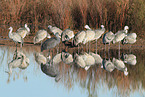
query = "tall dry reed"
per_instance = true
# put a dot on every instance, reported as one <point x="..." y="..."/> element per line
<point x="114" y="14"/>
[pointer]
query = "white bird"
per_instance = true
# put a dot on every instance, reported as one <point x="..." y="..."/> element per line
<point x="90" y="34"/>
<point x="120" y="35"/>
<point x="15" y="37"/>
<point x="56" y="59"/>
<point x="40" y="58"/>
<point x="25" y="62"/>
<point x="84" y="60"/>
<point x="79" y="37"/>
<point x="98" y="33"/>
<point x="97" y="57"/>
<point x="23" y="31"/>
<point x="55" y="30"/>
<point x="130" y="38"/>
<point x="129" y="59"/>
<point x="89" y="60"/>
<point x="19" y="60"/>
<point x="14" y="64"/>
<point x="108" y="37"/>
<point x="66" y="35"/>
<point x="66" y="57"/>
<point x="79" y="61"/>
<point x="40" y="35"/>
<point x="119" y="64"/>
<point x="108" y="65"/>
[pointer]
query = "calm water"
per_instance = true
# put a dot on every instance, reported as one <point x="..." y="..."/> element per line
<point x="73" y="81"/>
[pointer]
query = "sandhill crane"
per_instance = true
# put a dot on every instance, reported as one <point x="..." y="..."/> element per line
<point x="40" y="58"/>
<point x="97" y="57"/>
<point x="119" y="64"/>
<point x="78" y="38"/>
<point x="50" y="71"/>
<point x="15" y="37"/>
<point x="108" y="65"/>
<point x="98" y="33"/>
<point x="25" y="62"/>
<point x="56" y="59"/>
<point x="50" y="43"/>
<point x="55" y="30"/>
<point x="23" y="31"/>
<point x="66" y="35"/>
<point x="120" y="35"/>
<point x="130" y="38"/>
<point x="107" y="38"/>
<point x="90" y="34"/>
<point x="66" y="57"/>
<point x="89" y="60"/>
<point x="84" y="60"/>
<point x="40" y="35"/>
<point x="129" y="59"/>
<point x="19" y="60"/>
<point x="14" y="64"/>
<point x="79" y="61"/>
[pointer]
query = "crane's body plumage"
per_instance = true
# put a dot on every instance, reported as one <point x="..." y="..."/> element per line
<point x="50" y="43"/>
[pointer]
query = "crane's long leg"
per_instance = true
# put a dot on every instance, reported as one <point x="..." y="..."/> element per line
<point x="119" y="51"/>
<point x="96" y="46"/>
<point x="58" y="49"/>
<point x="108" y="51"/>
<point x="130" y="48"/>
<point x="89" y="45"/>
<point x="16" y="45"/>
<point x="78" y="48"/>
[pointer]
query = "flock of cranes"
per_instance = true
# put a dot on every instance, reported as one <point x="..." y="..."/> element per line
<point x="83" y="36"/>
<point x="83" y="60"/>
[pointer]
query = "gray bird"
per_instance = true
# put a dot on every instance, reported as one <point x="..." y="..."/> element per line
<point x="50" y="71"/>
<point x="15" y="37"/>
<point x="23" y="31"/>
<point x="40" y="35"/>
<point x="50" y="43"/>
<point x="55" y="30"/>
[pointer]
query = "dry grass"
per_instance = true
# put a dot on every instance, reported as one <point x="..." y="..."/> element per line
<point x="114" y="14"/>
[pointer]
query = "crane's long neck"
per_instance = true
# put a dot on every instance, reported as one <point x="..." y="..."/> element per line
<point x="126" y="31"/>
<point x="10" y="32"/>
<point x="27" y="28"/>
<point x="103" y="28"/>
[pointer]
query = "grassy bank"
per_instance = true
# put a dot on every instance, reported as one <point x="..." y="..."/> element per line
<point x="114" y="14"/>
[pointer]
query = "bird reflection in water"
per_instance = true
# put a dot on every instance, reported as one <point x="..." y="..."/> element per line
<point x="20" y="60"/>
